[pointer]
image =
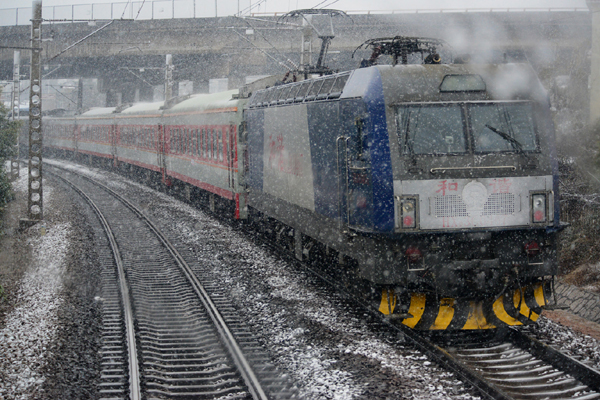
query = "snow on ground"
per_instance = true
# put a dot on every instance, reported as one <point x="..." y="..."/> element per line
<point x="31" y="326"/>
<point x="567" y="340"/>
<point x="317" y="366"/>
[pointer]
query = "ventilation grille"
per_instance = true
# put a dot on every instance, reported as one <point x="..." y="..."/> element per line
<point x="500" y="204"/>
<point x="450" y="206"/>
<point x="453" y="206"/>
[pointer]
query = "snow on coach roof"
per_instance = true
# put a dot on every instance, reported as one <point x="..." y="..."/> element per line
<point x="143" y="108"/>
<point x="205" y="102"/>
<point x="197" y="102"/>
<point x="98" y="111"/>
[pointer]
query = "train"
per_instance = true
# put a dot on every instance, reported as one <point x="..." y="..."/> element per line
<point x="433" y="185"/>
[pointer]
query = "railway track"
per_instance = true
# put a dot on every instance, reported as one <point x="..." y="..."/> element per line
<point x="505" y="364"/>
<point x="166" y="334"/>
<point x="509" y="366"/>
<point x="520" y="367"/>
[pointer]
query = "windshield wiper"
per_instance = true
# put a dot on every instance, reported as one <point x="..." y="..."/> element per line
<point x="513" y="142"/>
<point x="531" y="163"/>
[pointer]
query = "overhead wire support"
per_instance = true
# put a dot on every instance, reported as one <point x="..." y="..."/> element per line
<point x="35" y="205"/>
<point x="81" y="40"/>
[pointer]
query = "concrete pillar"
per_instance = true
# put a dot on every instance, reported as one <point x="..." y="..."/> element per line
<point x="594" y="6"/>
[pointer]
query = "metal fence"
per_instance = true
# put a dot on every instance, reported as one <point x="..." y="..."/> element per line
<point x="167" y="9"/>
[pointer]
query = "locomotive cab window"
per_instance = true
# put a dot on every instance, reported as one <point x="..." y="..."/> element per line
<point x="502" y="127"/>
<point x="441" y="128"/>
<point x="432" y="129"/>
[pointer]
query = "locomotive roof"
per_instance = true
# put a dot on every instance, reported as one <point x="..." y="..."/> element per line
<point x="415" y="83"/>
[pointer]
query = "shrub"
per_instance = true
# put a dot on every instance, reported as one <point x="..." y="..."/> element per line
<point x="9" y="131"/>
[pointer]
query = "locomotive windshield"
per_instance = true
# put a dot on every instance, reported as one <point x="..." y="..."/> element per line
<point x="443" y="128"/>
<point x="502" y="127"/>
<point x="435" y="129"/>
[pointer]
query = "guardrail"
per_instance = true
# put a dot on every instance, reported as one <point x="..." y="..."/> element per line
<point x="168" y="9"/>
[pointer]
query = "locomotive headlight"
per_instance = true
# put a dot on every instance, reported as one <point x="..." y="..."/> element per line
<point x="538" y="207"/>
<point x="408" y="214"/>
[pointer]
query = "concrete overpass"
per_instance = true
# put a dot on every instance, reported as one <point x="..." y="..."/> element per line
<point x="128" y="56"/>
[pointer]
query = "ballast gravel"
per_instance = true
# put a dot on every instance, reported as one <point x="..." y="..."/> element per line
<point x="48" y="341"/>
<point x="29" y="329"/>
<point x="328" y="350"/>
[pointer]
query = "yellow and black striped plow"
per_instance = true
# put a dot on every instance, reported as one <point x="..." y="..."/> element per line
<point x="520" y="306"/>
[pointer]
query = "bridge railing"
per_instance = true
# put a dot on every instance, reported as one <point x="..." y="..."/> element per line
<point x="167" y="9"/>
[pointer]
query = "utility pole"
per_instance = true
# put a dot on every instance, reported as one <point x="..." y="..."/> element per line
<point x="168" y="79"/>
<point x="15" y="105"/>
<point x="594" y="6"/>
<point x="35" y="207"/>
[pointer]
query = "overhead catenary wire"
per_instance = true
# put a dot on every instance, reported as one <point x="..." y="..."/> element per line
<point x="330" y="4"/>
<point x="248" y="9"/>
<point x="81" y="40"/>
<point x="139" y="10"/>
<point x="262" y="51"/>
<point x="293" y="64"/>
<point x="125" y="8"/>
<point x="324" y="1"/>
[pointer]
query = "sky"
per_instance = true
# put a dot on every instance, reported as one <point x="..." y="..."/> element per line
<point x="229" y="7"/>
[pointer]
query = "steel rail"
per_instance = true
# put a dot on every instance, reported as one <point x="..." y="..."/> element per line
<point x="134" y="374"/>
<point x="586" y="375"/>
<point x="487" y="389"/>
<point x="246" y="371"/>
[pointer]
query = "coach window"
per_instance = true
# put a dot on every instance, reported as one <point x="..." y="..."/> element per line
<point x="192" y="142"/>
<point x="208" y="144"/>
<point x="180" y="140"/>
<point x="214" y="144"/>
<point x="186" y="140"/>
<point x="220" y="143"/>
<point x="174" y="133"/>
<point x="194" y="136"/>
<point x="204" y="142"/>
<point x="200" y="142"/>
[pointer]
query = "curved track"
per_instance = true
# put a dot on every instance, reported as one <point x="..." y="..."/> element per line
<point x="501" y="364"/>
<point x="506" y="367"/>
<point x="185" y="345"/>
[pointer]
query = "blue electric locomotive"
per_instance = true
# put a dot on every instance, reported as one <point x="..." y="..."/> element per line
<point x="439" y="180"/>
